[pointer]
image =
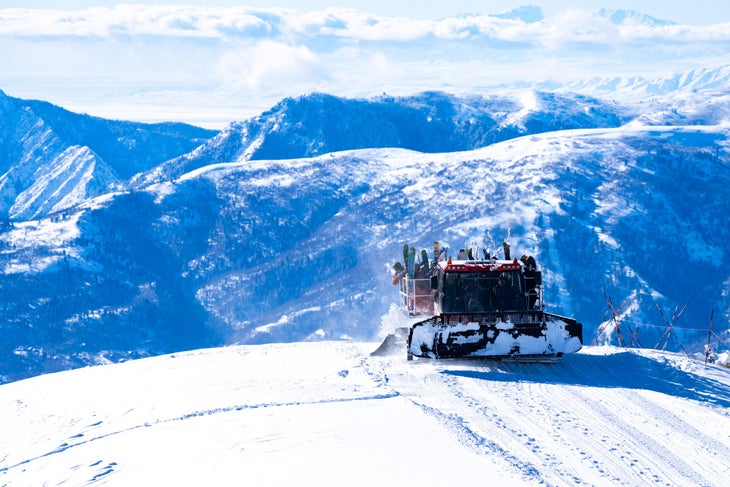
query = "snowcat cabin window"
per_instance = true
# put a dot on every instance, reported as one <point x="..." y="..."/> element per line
<point x="479" y="300"/>
<point x="509" y="291"/>
<point x="517" y="281"/>
<point x="453" y="298"/>
<point x="469" y="283"/>
<point x="470" y="290"/>
<point x="487" y="281"/>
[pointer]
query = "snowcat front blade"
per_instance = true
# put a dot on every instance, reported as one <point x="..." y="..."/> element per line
<point x="526" y="336"/>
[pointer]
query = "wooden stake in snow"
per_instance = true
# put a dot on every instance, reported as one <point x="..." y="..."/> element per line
<point x="615" y="320"/>
<point x="709" y="335"/>
<point x="670" y="331"/>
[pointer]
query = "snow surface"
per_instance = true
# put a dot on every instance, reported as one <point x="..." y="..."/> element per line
<point x="327" y="413"/>
<point x="56" y="235"/>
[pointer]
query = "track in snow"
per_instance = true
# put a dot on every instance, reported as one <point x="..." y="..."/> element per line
<point x="599" y="417"/>
<point x="335" y="415"/>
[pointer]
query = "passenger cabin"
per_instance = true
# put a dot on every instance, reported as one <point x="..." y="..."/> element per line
<point x="471" y="286"/>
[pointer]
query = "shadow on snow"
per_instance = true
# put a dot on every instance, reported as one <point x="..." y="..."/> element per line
<point x="620" y="370"/>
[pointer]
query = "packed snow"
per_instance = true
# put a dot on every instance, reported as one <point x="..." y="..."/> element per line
<point x="329" y="414"/>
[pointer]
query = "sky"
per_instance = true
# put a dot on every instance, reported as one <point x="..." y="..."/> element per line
<point x="214" y="63"/>
<point x="699" y="12"/>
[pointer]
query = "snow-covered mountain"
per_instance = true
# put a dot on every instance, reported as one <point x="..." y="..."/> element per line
<point x="528" y="14"/>
<point x="673" y="92"/>
<point x="332" y="416"/>
<point x="623" y="16"/>
<point x="52" y="159"/>
<point x="246" y="239"/>
<point x="428" y="122"/>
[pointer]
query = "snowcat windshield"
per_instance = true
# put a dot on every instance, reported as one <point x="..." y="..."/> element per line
<point x="477" y="292"/>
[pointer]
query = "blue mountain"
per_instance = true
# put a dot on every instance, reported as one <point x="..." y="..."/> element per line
<point x="430" y="122"/>
<point x="284" y="227"/>
<point x="52" y="159"/>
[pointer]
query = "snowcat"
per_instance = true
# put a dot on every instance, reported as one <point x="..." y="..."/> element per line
<point x="479" y="308"/>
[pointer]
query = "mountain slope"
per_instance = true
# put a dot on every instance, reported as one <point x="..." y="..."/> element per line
<point x="667" y="96"/>
<point x="52" y="159"/>
<point x="336" y="416"/>
<point x="620" y="199"/>
<point x="292" y="250"/>
<point x="428" y="122"/>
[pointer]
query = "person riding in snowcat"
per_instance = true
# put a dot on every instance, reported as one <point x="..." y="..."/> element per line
<point x="480" y="308"/>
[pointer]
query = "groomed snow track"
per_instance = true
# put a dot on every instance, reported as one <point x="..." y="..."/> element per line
<point x="334" y="415"/>
<point x="606" y="417"/>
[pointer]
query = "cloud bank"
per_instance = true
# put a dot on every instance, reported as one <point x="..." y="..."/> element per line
<point x="246" y="58"/>
<point x="347" y="25"/>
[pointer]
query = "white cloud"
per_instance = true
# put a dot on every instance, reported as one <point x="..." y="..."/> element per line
<point x="271" y="65"/>
<point x="566" y="25"/>
<point x="136" y="20"/>
<point x="104" y="56"/>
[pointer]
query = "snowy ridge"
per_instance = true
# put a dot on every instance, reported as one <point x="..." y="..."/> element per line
<point x="299" y="249"/>
<point x="675" y="91"/>
<point x="335" y="416"/>
<point x="52" y="159"/>
<point x="230" y="247"/>
<point x="66" y="181"/>
<point x="318" y="123"/>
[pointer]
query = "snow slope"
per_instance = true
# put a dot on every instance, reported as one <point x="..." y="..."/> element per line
<point x="271" y="251"/>
<point x="52" y="159"/>
<point x="327" y="413"/>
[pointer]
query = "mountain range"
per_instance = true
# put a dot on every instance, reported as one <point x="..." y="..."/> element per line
<point x="122" y="240"/>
